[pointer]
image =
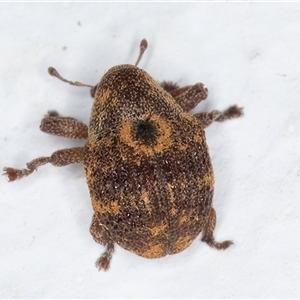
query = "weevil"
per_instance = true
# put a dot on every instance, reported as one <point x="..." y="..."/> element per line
<point x="146" y="161"/>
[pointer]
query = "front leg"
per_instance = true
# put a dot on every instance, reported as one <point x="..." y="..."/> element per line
<point x="59" y="158"/>
<point x="55" y="124"/>
<point x="67" y="127"/>
<point x="187" y="97"/>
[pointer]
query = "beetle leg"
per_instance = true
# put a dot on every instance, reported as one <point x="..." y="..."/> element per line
<point x="67" y="127"/>
<point x="190" y="96"/>
<point x="101" y="236"/>
<point x="169" y="86"/>
<point x="59" y="158"/>
<point x="231" y="112"/>
<point x="208" y="232"/>
<point x="187" y="97"/>
<point x="103" y="262"/>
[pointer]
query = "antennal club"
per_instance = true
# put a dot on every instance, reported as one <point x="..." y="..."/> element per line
<point x="54" y="73"/>
<point x="143" y="47"/>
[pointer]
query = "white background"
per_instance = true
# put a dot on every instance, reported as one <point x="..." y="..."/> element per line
<point x="245" y="53"/>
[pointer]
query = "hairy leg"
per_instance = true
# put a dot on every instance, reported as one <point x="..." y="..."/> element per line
<point x="230" y="113"/>
<point x="58" y="158"/>
<point x="187" y="97"/>
<point x="67" y="127"/>
<point x="169" y="86"/>
<point x="208" y="232"/>
<point x="101" y="236"/>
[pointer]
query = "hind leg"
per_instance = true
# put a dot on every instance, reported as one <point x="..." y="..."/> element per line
<point x="101" y="236"/>
<point x="208" y="233"/>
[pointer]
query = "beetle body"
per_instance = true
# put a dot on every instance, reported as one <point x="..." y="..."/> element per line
<point x="147" y="165"/>
<point x="146" y="161"/>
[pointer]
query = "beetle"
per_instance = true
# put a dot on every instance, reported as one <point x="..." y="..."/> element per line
<point x="146" y="161"/>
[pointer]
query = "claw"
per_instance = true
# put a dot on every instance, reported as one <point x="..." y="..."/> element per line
<point x="11" y="174"/>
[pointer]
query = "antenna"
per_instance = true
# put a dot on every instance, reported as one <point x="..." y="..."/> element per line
<point x="54" y="73"/>
<point x="143" y="47"/>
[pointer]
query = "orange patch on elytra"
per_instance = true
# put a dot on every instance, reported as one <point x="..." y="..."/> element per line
<point x="182" y="243"/>
<point x="111" y="207"/>
<point x="173" y="211"/>
<point x="156" y="230"/>
<point x="182" y="147"/>
<point x="171" y="192"/>
<point x="207" y="180"/>
<point x="198" y="138"/>
<point x="126" y="138"/>
<point x="145" y="199"/>
<point x="183" y="219"/>
<point x="171" y="198"/>
<point x="155" y="251"/>
<point x="164" y="140"/>
<point x="162" y="143"/>
<point x="102" y="95"/>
